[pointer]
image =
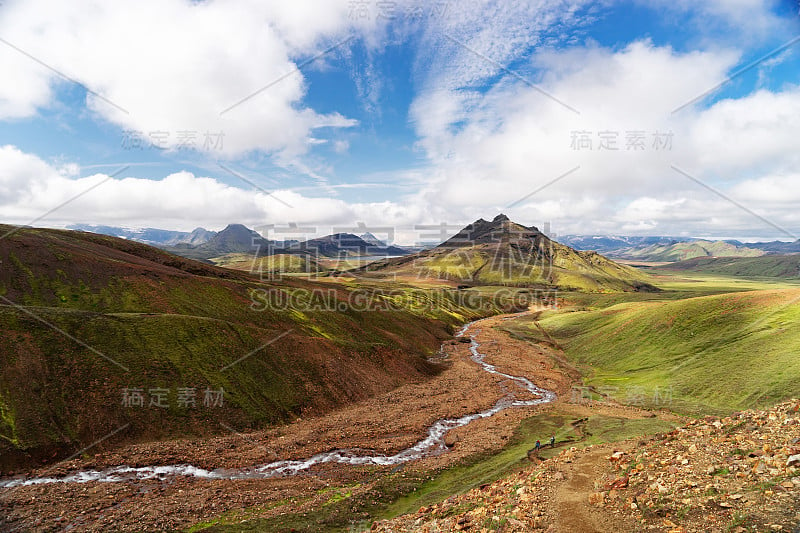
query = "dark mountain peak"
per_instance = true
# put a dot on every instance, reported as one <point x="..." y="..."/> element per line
<point x="341" y="239"/>
<point x="372" y="239"/>
<point x="237" y="233"/>
<point x="345" y="244"/>
<point x="235" y="238"/>
<point x="500" y="229"/>
<point x="503" y="252"/>
<point x="236" y="228"/>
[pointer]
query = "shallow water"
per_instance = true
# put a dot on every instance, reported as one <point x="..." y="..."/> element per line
<point x="432" y="444"/>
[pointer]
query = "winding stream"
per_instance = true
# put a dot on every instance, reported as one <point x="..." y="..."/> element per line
<point x="430" y="445"/>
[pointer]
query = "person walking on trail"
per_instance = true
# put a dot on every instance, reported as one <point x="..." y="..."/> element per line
<point x="538" y="445"/>
<point x="553" y="441"/>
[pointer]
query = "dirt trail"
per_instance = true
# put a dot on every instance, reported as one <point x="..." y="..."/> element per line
<point x="573" y="512"/>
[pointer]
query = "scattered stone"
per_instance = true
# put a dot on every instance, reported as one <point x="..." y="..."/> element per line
<point x="619" y="483"/>
<point x="596" y="498"/>
<point x="705" y="472"/>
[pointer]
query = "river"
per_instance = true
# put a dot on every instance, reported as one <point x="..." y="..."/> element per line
<point x="432" y="444"/>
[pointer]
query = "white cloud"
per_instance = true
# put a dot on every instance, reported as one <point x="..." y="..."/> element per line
<point x="30" y="187"/>
<point x="520" y="139"/>
<point x="774" y="191"/>
<point x="176" y="65"/>
<point x="496" y="149"/>
<point x="756" y="132"/>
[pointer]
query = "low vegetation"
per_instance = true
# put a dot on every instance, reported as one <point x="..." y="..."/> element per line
<point x="701" y="354"/>
<point x="766" y="267"/>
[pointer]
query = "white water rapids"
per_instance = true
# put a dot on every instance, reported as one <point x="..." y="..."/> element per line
<point x="430" y="445"/>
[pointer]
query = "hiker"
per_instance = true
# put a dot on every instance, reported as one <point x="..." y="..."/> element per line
<point x="538" y="445"/>
<point x="553" y="441"/>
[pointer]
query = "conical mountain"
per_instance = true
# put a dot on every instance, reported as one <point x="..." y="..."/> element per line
<point x="235" y="238"/>
<point x="503" y="252"/>
<point x="500" y="229"/>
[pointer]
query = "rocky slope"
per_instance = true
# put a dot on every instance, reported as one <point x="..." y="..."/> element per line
<point x="736" y="473"/>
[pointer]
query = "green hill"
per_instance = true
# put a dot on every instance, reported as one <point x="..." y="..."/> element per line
<point x="710" y="353"/>
<point x="502" y="252"/>
<point x="681" y="251"/>
<point x="270" y="266"/>
<point x="84" y="317"/>
<point x="768" y="266"/>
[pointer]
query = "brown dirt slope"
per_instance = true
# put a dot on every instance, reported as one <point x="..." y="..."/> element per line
<point x="738" y="473"/>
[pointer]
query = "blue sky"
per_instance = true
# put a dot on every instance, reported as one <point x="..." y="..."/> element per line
<point x="403" y="113"/>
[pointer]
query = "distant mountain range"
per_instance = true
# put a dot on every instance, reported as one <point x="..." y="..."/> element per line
<point x="239" y="239"/>
<point x="200" y="244"/>
<point x="681" y="251"/>
<point x="777" y="247"/>
<point x="609" y="244"/>
<point x="235" y="238"/>
<point x="502" y="252"/>
<point x="673" y="248"/>
<point x="152" y="236"/>
<point x="346" y="244"/>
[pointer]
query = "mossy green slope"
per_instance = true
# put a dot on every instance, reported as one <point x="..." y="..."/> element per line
<point x="704" y="354"/>
<point x="768" y="266"/>
<point x="269" y="266"/>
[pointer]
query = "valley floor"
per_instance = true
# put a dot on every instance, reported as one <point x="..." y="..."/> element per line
<point x="386" y="424"/>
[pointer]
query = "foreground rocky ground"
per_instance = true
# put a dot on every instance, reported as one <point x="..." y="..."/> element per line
<point x="734" y="474"/>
